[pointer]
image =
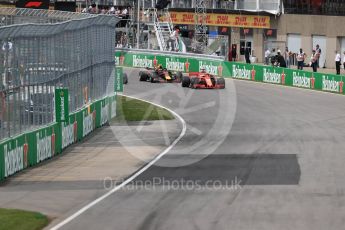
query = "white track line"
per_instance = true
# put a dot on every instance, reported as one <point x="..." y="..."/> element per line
<point x="88" y="206"/>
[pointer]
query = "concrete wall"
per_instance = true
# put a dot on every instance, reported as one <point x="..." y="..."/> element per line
<point x="258" y="45"/>
<point x="308" y="25"/>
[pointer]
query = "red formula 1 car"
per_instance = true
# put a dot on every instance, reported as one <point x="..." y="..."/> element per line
<point x="160" y="75"/>
<point x="203" y="80"/>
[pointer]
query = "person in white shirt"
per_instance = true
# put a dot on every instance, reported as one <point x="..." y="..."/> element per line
<point x="318" y="54"/>
<point x="172" y="41"/>
<point x="337" y="60"/>
<point x="267" y="56"/>
<point x="313" y="61"/>
<point x="124" y="12"/>
<point x="287" y="57"/>
<point x="112" y="10"/>
<point x="300" y="59"/>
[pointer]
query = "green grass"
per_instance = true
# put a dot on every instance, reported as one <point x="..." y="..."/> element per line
<point x="129" y="109"/>
<point x="21" y="220"/>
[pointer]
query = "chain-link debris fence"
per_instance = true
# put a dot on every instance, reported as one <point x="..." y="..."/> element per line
<point x="41" y="50"/>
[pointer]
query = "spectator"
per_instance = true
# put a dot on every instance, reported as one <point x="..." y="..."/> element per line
<point x="171" y="43"/>
<point x="247" y="55"/>
<point x="337" y="60"/>
<point x="124" y="12"/>
<point x="344" y="60"/>
<point x="287" y="55"/>
<point x="318" y="54"/>
<point x="234" y="53"/>
<point x="300" y="59"/>
<point x="313" y="61"/>
<point x="93" y="9"/>
<point x="273" y="56"/>
<point x="117" y="12"/>
<point x="112" y="10"/>
<point x="267" y="56"/>
<point x="280" y="60"/>
<point x="162" y="4"/>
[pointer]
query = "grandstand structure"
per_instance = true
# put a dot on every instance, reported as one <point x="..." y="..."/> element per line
<point x="260" y="24"/>
<point x="200" y="36"/>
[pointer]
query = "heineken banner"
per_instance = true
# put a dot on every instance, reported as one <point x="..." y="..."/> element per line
<point x="61" y="105"/>
<point x="330" y="83"/>
<point x="175" y="63"/>
<point x="31" y="148"/>
<point x="267" y="74"/>
<point x="118" y="79"/>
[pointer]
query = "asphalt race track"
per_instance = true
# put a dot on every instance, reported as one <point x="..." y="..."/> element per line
<point x="255" y="156"/>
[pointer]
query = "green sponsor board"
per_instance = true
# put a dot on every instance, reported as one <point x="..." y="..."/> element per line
<point x="61" y="105"/>
<point x="227" y="69"/>
<point x="273" y="75"/>
<point x="211" y="67"/>
<point x="104" y="112"/>
<point x="173" y="62"/>
<point x="300" y="79"/>
<point x="13" y="156"/>
<point x="69" y="131"/>
<point x="31" y="148"/>
<point x="45" y="144"/>
<point x="137" y="60"/>
<point x="112" y="110"/>
<point x="89" y="120"/>
<point x="243" y="71"/>
<point x="118" y="79"/>
<point x="329" y="83"/>
<point x="268" y="74"/>
<point x="2" y="162"/>
<point x="120" y="58"/>
<point x="141" y="60"/>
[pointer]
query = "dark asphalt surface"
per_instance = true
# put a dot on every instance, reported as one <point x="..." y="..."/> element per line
<point x="255" y="156"/>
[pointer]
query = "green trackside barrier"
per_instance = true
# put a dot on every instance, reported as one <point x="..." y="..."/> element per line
<point x="173" y="62"/>
<point x="31" y="148"/>
<point x="253" y="72"/>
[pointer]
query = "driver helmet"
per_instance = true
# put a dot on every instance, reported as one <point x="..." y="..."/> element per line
<point x="203" y="70"/>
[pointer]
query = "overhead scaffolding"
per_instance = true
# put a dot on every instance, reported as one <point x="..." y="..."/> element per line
<point x="200" y="36"/>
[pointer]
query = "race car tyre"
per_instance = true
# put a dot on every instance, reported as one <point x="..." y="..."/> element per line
<point x="142" y="76"/>
<point x="221" y="81"/>
<point x="179" y="76"/>
<point x="193" y="82"/>
<point x="154" y="77"/>
<point x="185" y="81"/>
<point x="125" y="78"/>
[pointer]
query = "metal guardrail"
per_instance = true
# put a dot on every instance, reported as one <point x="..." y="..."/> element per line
<point x="48" y="50"/>
<point x="157" y="52"/>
